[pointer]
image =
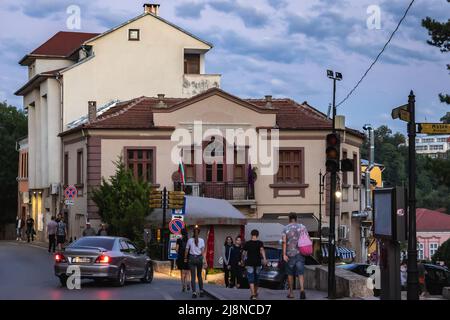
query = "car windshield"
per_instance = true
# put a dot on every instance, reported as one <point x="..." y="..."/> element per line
<point x="104" y="243"/>
<point x="272" y="253"/>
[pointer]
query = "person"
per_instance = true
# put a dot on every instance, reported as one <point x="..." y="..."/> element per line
<point x="18" y="228"/>
<point x="226" y="252"/>
<point x="30" y="229"/>
<point x="235" y="263"/>
<point x="181" y="264"/>
<point x="422" y="279"/>
<point x="403" y="274"/>
<point x="88" y="231"/>
<point x="102" y="231"/>
<point x="253" y="252"/>
<point x="61" y="232"/>
<point x="195" y="248"/>
<point x="52" y="225"/>
<point x="295" y="262"/>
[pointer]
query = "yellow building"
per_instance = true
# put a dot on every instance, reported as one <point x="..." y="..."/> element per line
<point x="375" y="174"/>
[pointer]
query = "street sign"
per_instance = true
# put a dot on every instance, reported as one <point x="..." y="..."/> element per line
<point x="70" y="192"/>
<point x="69" y="202"/>
<point x="178" y="216"/>
<point x="401" y="113"/>
<point x="176" y="225"/>
<point x="172" y="248"/>
<point x="434" y="128"/>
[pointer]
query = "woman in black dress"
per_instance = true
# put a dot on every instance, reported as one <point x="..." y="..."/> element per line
<point x="181" y="264"/>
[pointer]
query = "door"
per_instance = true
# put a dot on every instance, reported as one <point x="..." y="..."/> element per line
<point x="214" y="170"/>
<point x="127" y="258"/>
<point x="133" y="259"/>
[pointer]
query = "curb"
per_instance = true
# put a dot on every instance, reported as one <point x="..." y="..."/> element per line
<point x="212" y="295"/>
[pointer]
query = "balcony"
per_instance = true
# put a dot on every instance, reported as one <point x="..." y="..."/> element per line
<point x="237" y="193"/>
<point x="194" y="84"/>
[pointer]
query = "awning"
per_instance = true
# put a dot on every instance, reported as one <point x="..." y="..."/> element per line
<point x="342" y="252"/>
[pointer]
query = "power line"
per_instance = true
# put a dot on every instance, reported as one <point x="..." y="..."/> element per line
<point x="379" y="55"/>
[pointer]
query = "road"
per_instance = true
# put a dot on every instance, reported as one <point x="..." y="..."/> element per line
<point x="26" y="272"/>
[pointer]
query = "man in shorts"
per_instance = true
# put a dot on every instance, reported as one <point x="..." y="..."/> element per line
<point x="61" y="232"/>
<point x="295" y="262"/>
<point x="254" y="258"/>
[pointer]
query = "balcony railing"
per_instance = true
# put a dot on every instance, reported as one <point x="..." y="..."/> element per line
<point x="219" y="190"/>
<point x="194" y="84"/>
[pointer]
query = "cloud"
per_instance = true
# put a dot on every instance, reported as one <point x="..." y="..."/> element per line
<point x="190" y="10"/>
<point x="250" y="16"/>
<point x="278" y="4"/>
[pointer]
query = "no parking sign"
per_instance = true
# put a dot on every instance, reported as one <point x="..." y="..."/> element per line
<point x="176" y="225"/>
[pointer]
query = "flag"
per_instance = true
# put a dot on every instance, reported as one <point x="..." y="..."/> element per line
<point x="181" y="172"/>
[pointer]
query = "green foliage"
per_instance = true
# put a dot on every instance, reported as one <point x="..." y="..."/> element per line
<point x="440" y="37"/>
<point x="433" y="175"/>
<point x="123" y="203"/>
<point x="442" y="253"/>
<point x="13" y="126"/>
<point x="446" y="118"/>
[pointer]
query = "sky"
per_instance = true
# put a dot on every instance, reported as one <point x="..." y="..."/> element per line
<point x="278" y="47"/>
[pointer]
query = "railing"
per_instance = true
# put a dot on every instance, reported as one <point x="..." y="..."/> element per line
<point x="218" y="190"/>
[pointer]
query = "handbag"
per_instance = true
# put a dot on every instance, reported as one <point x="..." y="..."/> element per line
<point x="305" y="244"/>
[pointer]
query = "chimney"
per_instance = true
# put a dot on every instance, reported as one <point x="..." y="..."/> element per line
<point x="161" y="103"/>
<point x="92" y="111"/>
<point x="152" y="8"/>
<point x="268" y="101"/>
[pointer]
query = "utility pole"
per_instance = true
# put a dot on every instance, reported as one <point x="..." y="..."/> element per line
<point x="413" y="274"/>
<point x="320" y="209"/>
<point x="163" y="226"/>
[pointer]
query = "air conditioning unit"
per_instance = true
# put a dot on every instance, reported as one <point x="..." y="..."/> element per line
<point x="54" y="188"/>
<point x="342" y="232"/>
<point x="192" y="189"/>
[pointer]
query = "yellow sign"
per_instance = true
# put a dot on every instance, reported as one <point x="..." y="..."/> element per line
<point x="434" y="128"/>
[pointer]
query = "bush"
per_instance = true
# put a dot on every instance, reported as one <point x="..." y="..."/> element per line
<point x="443" y="253"/>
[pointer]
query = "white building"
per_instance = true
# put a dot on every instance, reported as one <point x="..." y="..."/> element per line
<point x="435" y="146"/>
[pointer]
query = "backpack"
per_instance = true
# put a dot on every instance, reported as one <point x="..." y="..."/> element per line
<point x="305" y="245"/>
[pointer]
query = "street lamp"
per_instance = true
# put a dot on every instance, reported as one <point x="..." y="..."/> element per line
<point x="333" y="177"/>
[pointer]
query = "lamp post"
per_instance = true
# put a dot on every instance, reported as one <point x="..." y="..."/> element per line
<point x="333" y="175"/>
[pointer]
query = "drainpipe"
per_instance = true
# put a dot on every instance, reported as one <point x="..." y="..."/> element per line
<point x="61" y="128"/>
<point x="370" y="165"/>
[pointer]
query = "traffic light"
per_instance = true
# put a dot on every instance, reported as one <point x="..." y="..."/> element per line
<point x="156" y="199"/>
<point x="176" y="199"/>
<point x="347" y="165"/>
<point x="332" y="152"/>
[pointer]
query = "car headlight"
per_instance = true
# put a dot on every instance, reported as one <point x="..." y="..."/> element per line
<point x="274" y="264"/>
<point x="269" y="264"/>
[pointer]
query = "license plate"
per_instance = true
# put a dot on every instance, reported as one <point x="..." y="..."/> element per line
<point x="81" y="260"/>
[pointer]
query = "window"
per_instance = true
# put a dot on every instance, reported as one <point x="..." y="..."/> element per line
<point x="344" y="174"/>
<point x="427" y="140"/>
<point x="355" y="170"/>
<point x="80" y="167"/>
<point x="420" y="251"/>
<point x="189" y="165"/>
<point x="238" y="166"/>
<point x="66" y="169"/>
<point x="141" y="163"/>
<point x="192" y="64"/>
<point x="441" y="139"/>
<point x="421" y="148"/>
<point x="437" y="147"/>
<point x="433" y="246"/>
<point x="133" y="34"/>
<point x="290" y="167"/>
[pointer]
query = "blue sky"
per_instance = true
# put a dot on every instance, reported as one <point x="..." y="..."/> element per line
<point x="278" y="47"/>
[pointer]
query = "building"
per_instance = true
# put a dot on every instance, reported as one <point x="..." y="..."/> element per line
<point x="143" y="132"/>
<point x="145" y="55"/>
<point x="23" y="196"/>
<point x="434" y="146"/>
<point x="433" y="229"/>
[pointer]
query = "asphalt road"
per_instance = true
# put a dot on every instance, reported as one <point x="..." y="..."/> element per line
<point x="26" y="272"/>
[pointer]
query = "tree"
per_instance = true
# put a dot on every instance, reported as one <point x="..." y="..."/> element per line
<point x="123" y="203"/>
<point x="443" y="253"/>
<point x="446" y="118"/>
<point x="440" y="37"/>
<point x="13" y="126"/>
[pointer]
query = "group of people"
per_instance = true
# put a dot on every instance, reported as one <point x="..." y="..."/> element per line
<point x="56" y="233"/>
<point x="240" y="260"/>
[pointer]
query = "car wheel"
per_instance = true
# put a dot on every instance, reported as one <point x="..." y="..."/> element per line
<point x="63" y="281"/>
<point x="121" y="277"/>
<point x="148" y="276"/>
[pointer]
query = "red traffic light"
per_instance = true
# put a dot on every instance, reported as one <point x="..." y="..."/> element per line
<point x="332" y="139"/>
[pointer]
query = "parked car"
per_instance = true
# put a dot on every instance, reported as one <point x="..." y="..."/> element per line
<point x="104" y="258"/>
<point x="274" y="274"/>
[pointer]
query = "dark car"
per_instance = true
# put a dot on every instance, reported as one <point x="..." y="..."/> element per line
<point x="104" y="258"/>
<point x="274" y="275"/>
<point x="358" y="268"/>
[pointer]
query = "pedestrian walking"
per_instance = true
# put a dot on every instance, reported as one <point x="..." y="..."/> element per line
<point x="183" y="266"/>
<point x="30" y="228"/>
<point x="196" y="256"/>
<point x="102" y="231"/>
<point x="254" y="257"/>
<point x="89" y="231"/>
<point x="295" y="262"/>
<point x="235" y="263"/>
<point x="18" y="228"/>
<point x="226" y="253"/>
<point x="403" y="274"/>
<point x="52" y="225"/>
<point x="61" y="232"/>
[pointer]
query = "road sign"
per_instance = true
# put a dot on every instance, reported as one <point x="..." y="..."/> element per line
<point x="434" y="128"/>
<point x="70" y="192"/>
<point x="172" y="248"/>
<point x="69" y="202"/>
<point x="178" y="216"/>
<point x="401" y="113"/>
<point x="176" y="225"/>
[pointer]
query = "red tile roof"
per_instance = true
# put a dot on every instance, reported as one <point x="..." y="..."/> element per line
<point x="430" y="220"/>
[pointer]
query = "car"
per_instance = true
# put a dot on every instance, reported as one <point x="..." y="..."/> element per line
<point x="104" y="258"/>
<point x="436" y="278"/>
<point x="274" y="275"/>
<point x="358" y="268"/>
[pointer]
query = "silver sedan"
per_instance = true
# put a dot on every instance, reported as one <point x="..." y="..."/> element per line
<point x="111" y="258"/>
